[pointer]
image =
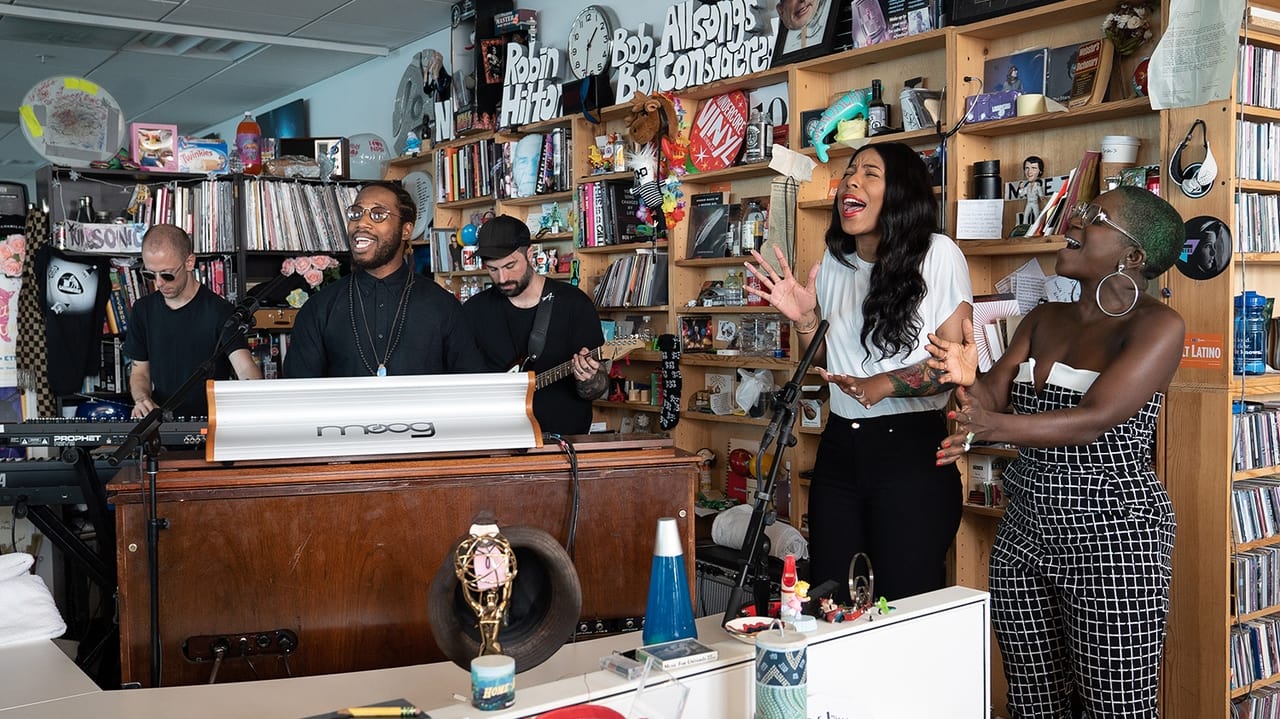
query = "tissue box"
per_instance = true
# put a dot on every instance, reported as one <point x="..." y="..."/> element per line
<point x="992" y="105"/>
<point x="202" y="156"/>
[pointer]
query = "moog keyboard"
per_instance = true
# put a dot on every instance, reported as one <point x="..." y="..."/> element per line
<point x="60" y="432"/>
<point x="45" y="481"/>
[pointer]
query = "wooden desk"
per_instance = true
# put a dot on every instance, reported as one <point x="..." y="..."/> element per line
<point x="343" y="554"/>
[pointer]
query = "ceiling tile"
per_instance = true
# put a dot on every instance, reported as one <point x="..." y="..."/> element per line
<point x="56" y="35"/>
<point x="290" y="67"/>
<point x="136" y="9"/>
<point x="249" y="17"/>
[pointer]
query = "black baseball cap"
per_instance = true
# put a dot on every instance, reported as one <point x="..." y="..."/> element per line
<point x="500" y="237"/>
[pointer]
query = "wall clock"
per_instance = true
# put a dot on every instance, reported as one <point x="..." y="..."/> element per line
<point x="589" y="37"/>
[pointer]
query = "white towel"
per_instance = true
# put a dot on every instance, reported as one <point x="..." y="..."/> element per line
<point x="730" y="527"/>
<point x="27" y="611"/>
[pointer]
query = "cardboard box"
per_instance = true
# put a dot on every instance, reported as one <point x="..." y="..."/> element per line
<point x="202" y="156"/>
<point x="154" y="147"/>
<point x="514" y="21"/>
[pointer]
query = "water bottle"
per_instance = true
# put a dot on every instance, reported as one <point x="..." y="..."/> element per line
<point x="1250" y="344"/>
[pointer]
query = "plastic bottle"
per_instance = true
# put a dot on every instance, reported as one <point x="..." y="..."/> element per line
<point x="1250" y="344"/>
<point x="646" y="331"/>
<point x="732" y="289"/>
<point x="248" y="142"/>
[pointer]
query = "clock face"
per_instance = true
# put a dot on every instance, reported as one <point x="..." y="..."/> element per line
<point x="589" y="42"/>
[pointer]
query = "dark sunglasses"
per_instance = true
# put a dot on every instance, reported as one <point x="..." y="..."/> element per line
<point x="150" y="276"/>
<point x="377" y="214"/>
<point x="1087" y="213"/>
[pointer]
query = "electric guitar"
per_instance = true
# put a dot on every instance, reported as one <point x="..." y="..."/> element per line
<point x="611" y="350"/>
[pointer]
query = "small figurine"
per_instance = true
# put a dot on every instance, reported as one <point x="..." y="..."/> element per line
<point x="1032" y="187"/>
<point x="412" y="145"/>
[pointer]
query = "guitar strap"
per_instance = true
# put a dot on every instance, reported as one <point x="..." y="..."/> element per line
<point x="541" y="321"/>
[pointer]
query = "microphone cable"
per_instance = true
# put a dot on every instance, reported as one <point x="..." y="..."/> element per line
<point x="567" y="448"/>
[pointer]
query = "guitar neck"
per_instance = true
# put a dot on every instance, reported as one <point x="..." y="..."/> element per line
<point x="560" y="371"/>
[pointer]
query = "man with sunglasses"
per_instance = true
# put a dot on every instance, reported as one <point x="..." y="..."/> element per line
<point x="175" y="329"/>
<point x="383" y="318"/>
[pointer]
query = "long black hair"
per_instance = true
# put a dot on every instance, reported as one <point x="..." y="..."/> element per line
<point x="908" y="216"/>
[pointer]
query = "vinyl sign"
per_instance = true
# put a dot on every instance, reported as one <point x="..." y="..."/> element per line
<point x="718" y="130"/>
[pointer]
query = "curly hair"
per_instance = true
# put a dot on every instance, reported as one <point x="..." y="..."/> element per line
<point x="908" y="216"/>
<point x="1156" y="225"/>
<point x="405" y="205"/>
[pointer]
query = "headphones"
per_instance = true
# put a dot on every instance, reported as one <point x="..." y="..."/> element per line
<point x="1196" y="179"/>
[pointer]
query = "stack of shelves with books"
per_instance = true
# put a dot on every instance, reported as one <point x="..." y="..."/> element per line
<point x="1219" y="464"/>
<point x="203" y="206"/>
<point x="1061" y="139"/>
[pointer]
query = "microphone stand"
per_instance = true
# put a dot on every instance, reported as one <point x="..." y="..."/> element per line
<point x="145" y="438"/>
<point x="778" y="435"/>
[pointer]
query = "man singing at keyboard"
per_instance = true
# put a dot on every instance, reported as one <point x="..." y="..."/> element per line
<point x="173" y="330"/>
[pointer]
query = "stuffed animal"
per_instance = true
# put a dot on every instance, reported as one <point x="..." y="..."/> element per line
<point x="653" y="117"/>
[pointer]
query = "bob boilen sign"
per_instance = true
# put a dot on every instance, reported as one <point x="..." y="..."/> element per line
<point x="701" y="43"/>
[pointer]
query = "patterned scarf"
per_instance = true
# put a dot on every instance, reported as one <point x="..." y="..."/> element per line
<point x="33" y="360"/>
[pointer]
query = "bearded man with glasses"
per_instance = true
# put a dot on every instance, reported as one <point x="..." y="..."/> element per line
<point x="383" y="318"/>
<point x="175" y="329"/>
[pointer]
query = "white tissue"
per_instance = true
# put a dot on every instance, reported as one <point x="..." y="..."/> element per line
<point x="27" y="611"/>
<point x="730" y="527"/>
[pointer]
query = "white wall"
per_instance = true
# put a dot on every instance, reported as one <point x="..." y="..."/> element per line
<point x="361" y="99"/>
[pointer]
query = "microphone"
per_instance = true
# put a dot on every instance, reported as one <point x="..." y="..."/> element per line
<point x="254" y="299"/>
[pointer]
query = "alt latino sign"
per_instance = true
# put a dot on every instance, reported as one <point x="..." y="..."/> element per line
<point x="701" y="43"/>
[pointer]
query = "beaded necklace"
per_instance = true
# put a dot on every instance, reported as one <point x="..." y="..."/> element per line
<point x="397" y="324"/>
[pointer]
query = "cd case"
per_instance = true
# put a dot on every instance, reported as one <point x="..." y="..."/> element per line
<point x="678" y="653"/>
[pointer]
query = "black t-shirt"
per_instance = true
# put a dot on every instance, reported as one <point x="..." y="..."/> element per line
<point x="177" y="342"/>
<point x="73" y="293"/>
<point x="332" y="333"/>
<point x="502" y="331"/>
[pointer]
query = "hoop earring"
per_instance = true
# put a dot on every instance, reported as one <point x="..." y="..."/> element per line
<point x="1137" y="292"/>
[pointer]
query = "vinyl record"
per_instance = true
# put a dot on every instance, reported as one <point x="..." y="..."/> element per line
<point x="411" y="104"/>
<point x="1207" y="249"/>
<point x="72" y="121"/>
<point x="423" y="190"/>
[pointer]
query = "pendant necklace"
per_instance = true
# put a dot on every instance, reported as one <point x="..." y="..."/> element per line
<point x="397" y="324"/>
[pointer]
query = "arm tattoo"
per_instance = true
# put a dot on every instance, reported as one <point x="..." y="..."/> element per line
<point x="595" y="387"/>
<point x="917" y="380"/>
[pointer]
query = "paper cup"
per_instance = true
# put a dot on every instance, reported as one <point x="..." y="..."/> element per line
<point x="1031" y="104"/>
<point x="1119" y="149"/>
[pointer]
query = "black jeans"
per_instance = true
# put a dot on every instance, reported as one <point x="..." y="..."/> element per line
<point x="877" y="489"/>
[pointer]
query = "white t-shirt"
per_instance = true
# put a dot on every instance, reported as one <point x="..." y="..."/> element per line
<point x="841" y="291"/>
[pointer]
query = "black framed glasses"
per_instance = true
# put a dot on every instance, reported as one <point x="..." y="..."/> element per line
<point x="150" y="275"/>
<point x="377" y="214"/>
<point x="1087" y="213"/>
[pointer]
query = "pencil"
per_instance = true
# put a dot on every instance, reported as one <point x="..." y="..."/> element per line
<point x="382" y="712"/>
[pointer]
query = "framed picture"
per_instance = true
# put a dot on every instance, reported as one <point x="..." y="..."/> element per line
<point x="154" y="147"/>
<point x="493" y="54"/>
<point x="696" y="334"/>
<point x="805" y="29"/>
<point x="331" y="154"/>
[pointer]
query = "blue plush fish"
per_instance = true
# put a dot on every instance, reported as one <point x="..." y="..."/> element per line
<point x="852" y="105"/>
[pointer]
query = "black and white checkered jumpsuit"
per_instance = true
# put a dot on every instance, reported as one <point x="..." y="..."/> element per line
<point x="1080" y="567"/>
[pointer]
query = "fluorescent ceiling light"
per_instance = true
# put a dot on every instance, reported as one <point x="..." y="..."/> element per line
<point x="77" y="18"/>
